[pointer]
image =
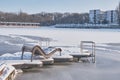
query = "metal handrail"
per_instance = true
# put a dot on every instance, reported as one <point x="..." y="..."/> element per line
<point x="92" y="48"/>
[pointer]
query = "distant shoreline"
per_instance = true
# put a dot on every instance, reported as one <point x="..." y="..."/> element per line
<point x="91" y="27"/>
<point x="65" y="26"/>
<point x="88" y="26"/>
<point x="12" y="26"/>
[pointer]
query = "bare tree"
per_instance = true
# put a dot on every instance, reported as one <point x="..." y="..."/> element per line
<point x="118" y="13"/>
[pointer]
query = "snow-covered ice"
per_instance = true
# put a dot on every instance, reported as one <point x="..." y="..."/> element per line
<point x="107" y="64"/>
<point x="67" y="39"/>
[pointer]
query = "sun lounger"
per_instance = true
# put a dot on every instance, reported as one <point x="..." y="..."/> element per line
<point x="85" y="53"/>
<point x="7" y="72"/>
<point x="37" y="50"/>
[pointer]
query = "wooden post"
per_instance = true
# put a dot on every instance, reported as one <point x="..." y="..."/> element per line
<point x="23" y="48"/>
<point x="81" y="47"/>
<point x="32" y="56"/>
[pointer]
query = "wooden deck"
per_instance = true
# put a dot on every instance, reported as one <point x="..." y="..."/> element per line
<point x="19" y="64"/>
<point x="63" y="58"/>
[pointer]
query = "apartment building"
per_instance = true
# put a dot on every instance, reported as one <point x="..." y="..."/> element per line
<point x="100" y="17"/>
<point x="94" y="16"/>
<point x="111" y="16"/>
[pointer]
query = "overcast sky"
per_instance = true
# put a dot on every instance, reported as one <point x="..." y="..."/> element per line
<point x="37" y="6"/>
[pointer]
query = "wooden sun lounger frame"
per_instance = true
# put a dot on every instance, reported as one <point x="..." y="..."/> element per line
<point x="41" y="52"/>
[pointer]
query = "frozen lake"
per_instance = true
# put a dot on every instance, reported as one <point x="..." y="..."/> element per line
<point x="16" y="37"/>
<point x="65" y="35"/>
<point x="107" y="52"/>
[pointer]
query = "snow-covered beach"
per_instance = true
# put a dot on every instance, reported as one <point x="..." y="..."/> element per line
<point x="107" y="51"/>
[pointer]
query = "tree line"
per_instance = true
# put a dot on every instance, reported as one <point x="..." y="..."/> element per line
<point x="45" y="18"/>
